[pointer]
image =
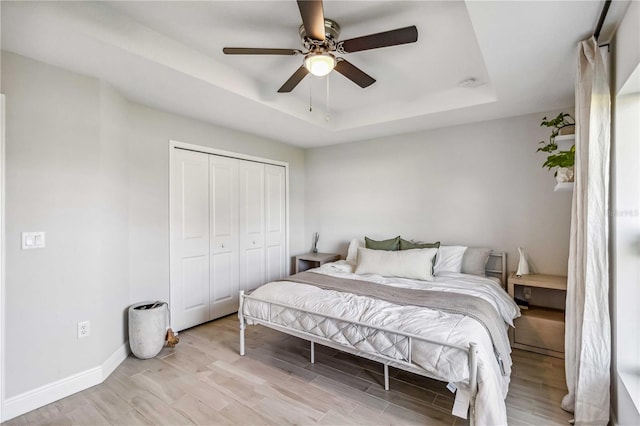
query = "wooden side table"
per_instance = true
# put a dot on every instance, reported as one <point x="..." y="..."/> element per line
<point x="314" y="260"/>
<point x="540" y="329"/>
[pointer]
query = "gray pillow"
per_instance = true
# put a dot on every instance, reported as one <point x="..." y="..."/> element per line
<point x="408" y="245"/>
<point x="389" y="245"/>
<point x="475" y="260"/>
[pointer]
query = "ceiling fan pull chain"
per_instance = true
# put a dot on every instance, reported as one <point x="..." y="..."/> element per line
<point x="310" y="103"/>
<point x="327" y="117"/>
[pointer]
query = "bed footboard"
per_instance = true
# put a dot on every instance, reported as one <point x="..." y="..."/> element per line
<point x="403" y="362"/>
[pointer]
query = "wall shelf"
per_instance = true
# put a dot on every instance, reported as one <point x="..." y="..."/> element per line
<point x="565" y="142"/>
<point x="563" y="187"/>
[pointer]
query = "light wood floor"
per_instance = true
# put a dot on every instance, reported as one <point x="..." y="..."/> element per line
<point x="204" y="381"/>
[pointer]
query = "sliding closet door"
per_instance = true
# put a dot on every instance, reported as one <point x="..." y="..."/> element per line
<point x="189" y="239"/>
<point x="252" y="235"/>
<point x="224" y="236"/>
<point x="275" y="212"/>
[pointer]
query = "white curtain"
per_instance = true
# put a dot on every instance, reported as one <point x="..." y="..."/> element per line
<point x="588" y="332"/>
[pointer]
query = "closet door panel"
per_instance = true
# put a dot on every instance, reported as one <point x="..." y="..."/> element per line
<point x="275" y="221"/>
<point x="252" y="234"/>
<point x="224" y="289"/>
<point x="190" y="239"/>
<point x="195" y="196"/>
<point x="254" y="269"/>
<point x="224" y="236"/>
<point x="195" y="276"/>
<point x="274" y="262"/>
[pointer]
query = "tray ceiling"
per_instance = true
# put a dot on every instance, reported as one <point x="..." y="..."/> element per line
<point x="168" y="55"/>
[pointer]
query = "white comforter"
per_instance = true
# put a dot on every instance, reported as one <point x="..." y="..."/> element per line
<point x="442" y="363"/>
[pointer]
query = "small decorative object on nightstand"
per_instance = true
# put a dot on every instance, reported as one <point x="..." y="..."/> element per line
<point x="523" y="266"/>
<point x="314" y="260"/>
<point x="540" y="329"/>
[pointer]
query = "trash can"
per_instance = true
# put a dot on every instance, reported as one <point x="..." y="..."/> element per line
<point x="148" y="323"/>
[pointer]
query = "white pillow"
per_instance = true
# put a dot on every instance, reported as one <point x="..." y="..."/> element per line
<point x="352" y="252"/>
<point x="449" y="259"/>
<point x="414" y="264"/>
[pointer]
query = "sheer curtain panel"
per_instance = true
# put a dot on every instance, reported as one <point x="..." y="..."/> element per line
<point x="588" y="331"/>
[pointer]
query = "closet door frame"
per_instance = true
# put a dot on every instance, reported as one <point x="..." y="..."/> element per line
<point x="173" y="145"/>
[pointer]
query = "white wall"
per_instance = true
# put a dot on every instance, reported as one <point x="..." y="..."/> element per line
<point x="149" y="191"/>
<point x="91" y="169"/>
<point x="113" y="216"/>
<point x="54" y="183"/>
<point x="625" y="220"/>
<point x="626" y="46"/>
<point x="477" y="184"/>
<point x="626" y="263"/>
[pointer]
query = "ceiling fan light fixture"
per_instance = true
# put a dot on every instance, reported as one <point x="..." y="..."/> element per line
<point x="320" y="64"/>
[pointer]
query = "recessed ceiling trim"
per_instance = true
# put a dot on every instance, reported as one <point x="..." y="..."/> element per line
<point x="168" y="55"/>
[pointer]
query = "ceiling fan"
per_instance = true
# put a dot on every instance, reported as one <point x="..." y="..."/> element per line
<point x="319" y="36"/>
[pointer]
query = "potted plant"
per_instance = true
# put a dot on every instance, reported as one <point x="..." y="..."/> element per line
<point x="563" y="160"/>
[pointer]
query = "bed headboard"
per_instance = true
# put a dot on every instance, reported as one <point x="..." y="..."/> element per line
<point x="497" y="266"/>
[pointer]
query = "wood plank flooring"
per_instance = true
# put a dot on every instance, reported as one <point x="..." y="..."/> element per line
<point x="204" y="381"/>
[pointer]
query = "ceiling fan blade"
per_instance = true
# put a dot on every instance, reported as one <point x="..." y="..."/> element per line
<point x="385" y="39"/>
<point x="293" y="81"/>
<point x="258" y="51"/>
<point x="313" y="18"/>
<point x="354" y="73"/>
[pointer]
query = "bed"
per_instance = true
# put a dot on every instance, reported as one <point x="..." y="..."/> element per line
<point x="450" y="327"/>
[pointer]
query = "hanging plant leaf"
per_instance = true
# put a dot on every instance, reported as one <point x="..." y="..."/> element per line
<point x="561" y="159"/>
<point x="557" y="158"/>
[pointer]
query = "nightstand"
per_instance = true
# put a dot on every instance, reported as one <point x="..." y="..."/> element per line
<point x="540" y="329"/>
<point x="314" y="260"/>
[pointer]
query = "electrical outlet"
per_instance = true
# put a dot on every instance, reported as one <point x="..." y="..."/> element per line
<point x="84" y="329"/>
<point x="527" y="293"/>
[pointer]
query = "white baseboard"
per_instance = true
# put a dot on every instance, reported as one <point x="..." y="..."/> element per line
<point x="114" y="360"/>
<point x="39" y="397"/>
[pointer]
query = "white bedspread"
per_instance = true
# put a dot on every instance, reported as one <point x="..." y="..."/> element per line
<point x="443" y="363"/>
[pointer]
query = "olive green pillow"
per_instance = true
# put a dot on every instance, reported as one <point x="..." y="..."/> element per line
<point x="389" y="245"/>
<point x="408" y="245"/>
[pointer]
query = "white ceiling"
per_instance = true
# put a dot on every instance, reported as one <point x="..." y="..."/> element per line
<point x="168" y="55"/>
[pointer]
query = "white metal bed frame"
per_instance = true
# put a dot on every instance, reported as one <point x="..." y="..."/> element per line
<point x="405" y="363"/>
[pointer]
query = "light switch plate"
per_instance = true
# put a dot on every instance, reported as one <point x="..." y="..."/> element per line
<point x="33" y="240"/>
